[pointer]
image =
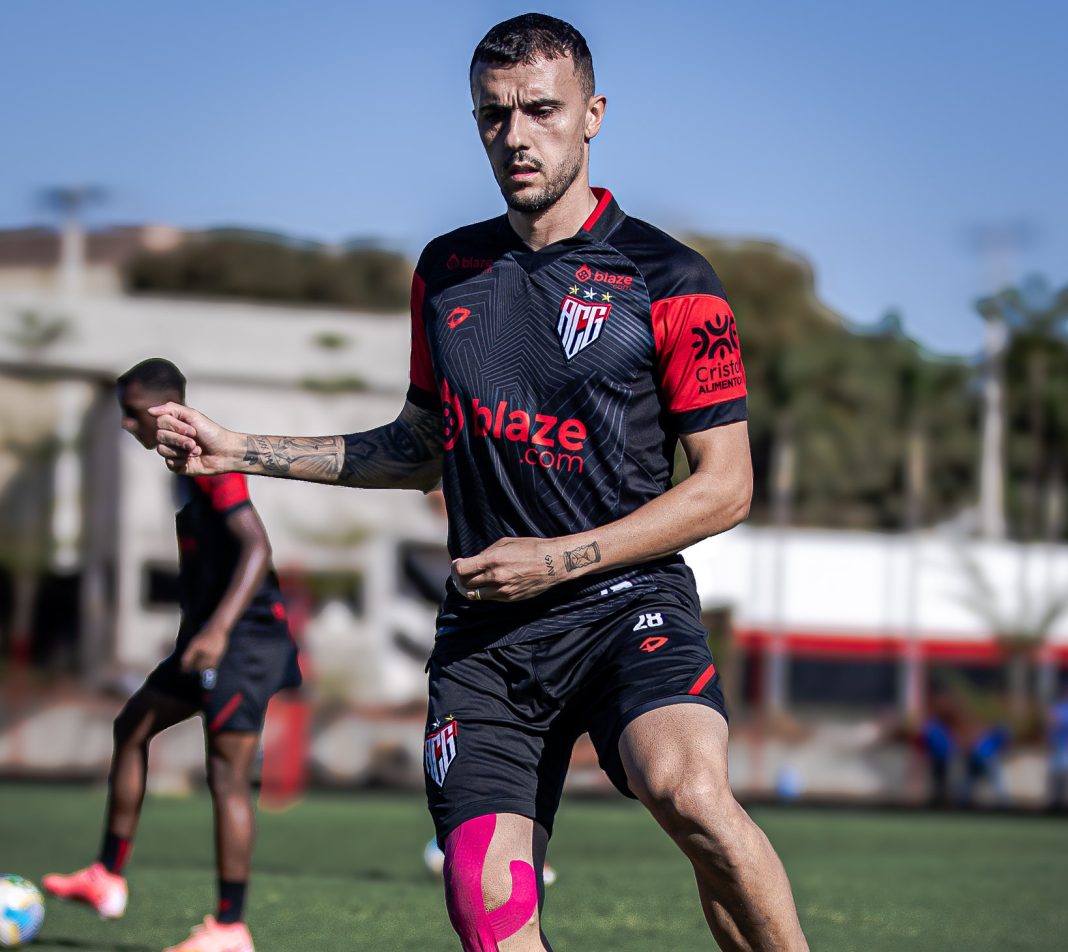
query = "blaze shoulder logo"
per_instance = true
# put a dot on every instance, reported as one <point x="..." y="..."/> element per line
<point x="439" y="749"/>
<point x="468" y="263"/>
<point x="580" y="324"/>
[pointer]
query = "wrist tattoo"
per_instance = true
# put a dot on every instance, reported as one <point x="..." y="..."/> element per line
<point x="278" y="455"/>
<point x="582" y="556"/>
<point x="259" y="452"/>
<point x="549" y="568"/>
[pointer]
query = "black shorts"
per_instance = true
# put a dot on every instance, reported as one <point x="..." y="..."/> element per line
<point x="260" y="660"/>
<point x="502" y="721"/>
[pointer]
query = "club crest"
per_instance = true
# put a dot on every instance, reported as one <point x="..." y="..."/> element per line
<point x="440" y="749"/>
<point x="580" y="323"/>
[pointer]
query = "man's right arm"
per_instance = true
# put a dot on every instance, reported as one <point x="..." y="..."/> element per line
<point x="404" y="454"/>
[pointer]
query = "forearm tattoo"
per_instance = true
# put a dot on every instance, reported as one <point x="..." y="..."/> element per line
<point x="584" y="555"/>
<point x="303" y="457"/>
<point x="401" y="454"/>
<point x="404" y="454"/>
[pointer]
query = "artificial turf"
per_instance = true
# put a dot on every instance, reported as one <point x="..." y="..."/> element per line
<point x="345" y="872"/>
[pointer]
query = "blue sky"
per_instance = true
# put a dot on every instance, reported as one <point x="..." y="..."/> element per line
<point x="873" y="138"/>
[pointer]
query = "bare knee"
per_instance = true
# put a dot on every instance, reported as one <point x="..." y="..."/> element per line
<point x="130" y="731"/>
<point x="697" y="809"/>
<point x="226" y="779"/>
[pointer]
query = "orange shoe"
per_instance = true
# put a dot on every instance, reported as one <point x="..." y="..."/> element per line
<point x="213" y="936"/>
<point x="105" y="892"/>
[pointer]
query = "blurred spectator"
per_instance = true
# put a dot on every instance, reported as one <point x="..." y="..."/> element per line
<point x="984" y="763"/>
<point x="1058" y="752"/>
<point x="940" y="747"/>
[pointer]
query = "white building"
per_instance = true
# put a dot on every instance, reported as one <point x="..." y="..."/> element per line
<point x="861" y="616"/>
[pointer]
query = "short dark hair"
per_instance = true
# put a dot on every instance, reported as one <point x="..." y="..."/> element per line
<point x="525" y="38"/>
<point x="156" y="374"/>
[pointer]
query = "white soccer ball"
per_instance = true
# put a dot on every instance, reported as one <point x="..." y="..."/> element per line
<point x="433" y="858"/>
<point x="21" y="911"/>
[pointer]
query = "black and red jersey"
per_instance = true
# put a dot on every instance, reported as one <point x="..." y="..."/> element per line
<point x="565" y="375"/>
<point x="208" y="552"/>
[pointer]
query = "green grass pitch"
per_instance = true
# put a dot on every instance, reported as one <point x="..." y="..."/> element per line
<point x="344" y="872"/>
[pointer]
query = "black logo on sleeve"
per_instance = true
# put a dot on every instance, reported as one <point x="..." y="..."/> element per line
<point x="717" y="338"/>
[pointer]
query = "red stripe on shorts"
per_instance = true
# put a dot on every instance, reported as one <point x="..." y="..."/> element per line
<point x="706" y="676"/>
<point x="224" y="715"/>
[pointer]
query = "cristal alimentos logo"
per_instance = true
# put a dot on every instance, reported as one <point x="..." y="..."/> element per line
<point x="716" y="344"/>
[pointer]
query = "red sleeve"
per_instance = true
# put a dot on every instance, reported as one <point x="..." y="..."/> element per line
<point x="226" y="492"/>
<point x="422" y="371"/>
<point x="699" y="361"/>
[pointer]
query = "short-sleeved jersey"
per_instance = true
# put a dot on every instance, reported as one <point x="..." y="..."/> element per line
<point x="564" y="377"/>
<point x="208" y="552"/>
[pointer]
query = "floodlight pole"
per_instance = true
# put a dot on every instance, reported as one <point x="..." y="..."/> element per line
<point x="991" y="465"/>
<point x="70" y="201"/>
<point x="997" y="247"/>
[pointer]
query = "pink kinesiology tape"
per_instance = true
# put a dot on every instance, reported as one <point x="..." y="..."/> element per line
<point x="465" y="859"/>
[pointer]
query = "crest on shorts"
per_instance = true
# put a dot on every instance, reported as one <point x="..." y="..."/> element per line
<point x="581" y="321"/>
<point x="440" y="749"/>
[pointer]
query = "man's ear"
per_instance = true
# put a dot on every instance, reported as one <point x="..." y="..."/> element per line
<point x="594" y="115"/>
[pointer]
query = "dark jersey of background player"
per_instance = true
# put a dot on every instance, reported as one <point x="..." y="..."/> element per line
<point x="260" y="657"/>
<point x="209" y="552"/>
<point x="631" y="342"/>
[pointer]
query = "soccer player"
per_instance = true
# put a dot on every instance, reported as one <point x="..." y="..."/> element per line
<point x="559" y="353"/>
<point x="232" y="654"/>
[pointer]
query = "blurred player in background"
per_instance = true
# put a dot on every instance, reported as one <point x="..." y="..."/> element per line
<point x="1057" y="734"/>
<point x="233" y="652"/>
<point x="559" y="354"/>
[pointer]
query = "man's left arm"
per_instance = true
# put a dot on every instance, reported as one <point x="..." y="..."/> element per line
<point x="713" y="498"/>
<point x="209" y="645"/>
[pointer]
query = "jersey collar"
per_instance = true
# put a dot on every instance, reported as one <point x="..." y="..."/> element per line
<point x="601" y="223"/>
<point x="604" y="218"/>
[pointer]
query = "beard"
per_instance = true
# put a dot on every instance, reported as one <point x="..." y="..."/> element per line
<point x="530" y="200"/>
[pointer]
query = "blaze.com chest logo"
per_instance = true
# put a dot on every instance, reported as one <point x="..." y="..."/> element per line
<point x="544" y="440"/>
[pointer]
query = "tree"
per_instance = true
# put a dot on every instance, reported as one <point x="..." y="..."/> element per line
<point x="267" y="268"/>
<point x="850" y="427"/>
<point x="1020" y="632"/>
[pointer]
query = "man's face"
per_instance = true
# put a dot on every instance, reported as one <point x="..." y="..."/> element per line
<point x="534" y="121"/>
<point x="134" y="400"/>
